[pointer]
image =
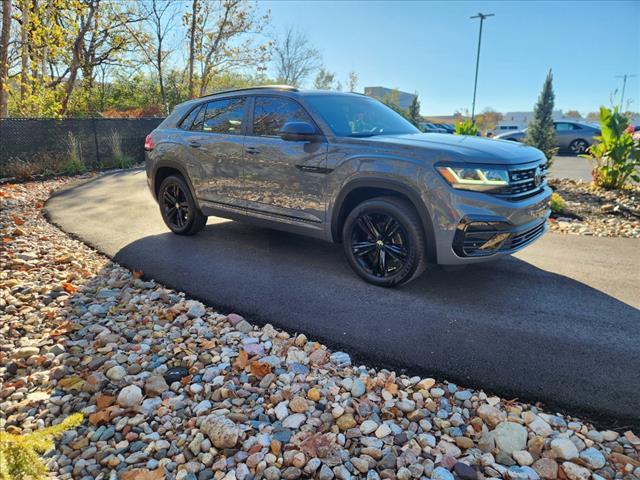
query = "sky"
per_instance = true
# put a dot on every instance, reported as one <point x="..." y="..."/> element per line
<point x="430" y="48"/>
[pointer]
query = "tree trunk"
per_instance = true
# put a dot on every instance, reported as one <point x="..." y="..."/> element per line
<point x="24" y="57"/>
<point x="4" y="52"/>
<point x="192" y="46"/>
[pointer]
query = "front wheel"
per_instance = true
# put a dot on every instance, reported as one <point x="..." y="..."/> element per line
<point x="384" y="241"/>
<point x="178" y="207"/>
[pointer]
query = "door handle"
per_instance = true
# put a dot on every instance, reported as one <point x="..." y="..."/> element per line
<point x="195" y="144"/>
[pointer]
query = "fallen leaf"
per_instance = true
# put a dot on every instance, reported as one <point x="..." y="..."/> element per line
<point x="67" y="287"/>
<point x="62" y="329"/>
<point x="317" y="445"/>
<point x="241" y="361"/>
<point x="137" y="274"/>
<point x="143" y="474"/>
<point x="259" y="369"/>
<point x="99" y="418"/>
<point x="17" y="220"/>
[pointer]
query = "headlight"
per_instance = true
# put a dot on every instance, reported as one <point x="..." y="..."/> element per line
<point x="479" y="179"/>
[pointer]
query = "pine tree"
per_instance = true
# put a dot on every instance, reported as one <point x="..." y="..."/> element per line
<point x="541" y="132"/>
<point x="414" y="111"/>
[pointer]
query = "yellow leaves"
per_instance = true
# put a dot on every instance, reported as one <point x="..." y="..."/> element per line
<point x="71" y="383"/>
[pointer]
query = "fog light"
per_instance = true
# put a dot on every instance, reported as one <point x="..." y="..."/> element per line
<point x="495" y="241"/>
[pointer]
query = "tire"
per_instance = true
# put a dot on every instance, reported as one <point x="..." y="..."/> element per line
<point x="385" y="259"/>
<point x="178" y="207"/>
<point x="578" y="146"/>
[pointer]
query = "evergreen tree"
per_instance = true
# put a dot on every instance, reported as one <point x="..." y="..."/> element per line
<point x="541" y="132"/>
<point x="414" y="111"/>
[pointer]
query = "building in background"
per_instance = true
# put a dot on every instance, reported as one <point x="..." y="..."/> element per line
<point x="520" y="120"/>
<point x="400" y="99"/>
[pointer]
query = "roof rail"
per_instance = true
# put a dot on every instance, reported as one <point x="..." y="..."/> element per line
<point x="259" y="87"/>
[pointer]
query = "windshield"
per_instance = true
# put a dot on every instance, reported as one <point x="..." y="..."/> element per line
<point x="359" y="116"/>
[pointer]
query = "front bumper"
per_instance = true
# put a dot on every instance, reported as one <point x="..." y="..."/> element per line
<point x="476" y="227"/>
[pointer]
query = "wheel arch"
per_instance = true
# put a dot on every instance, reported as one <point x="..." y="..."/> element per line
<point x="166" y="168"/>
<point x="359" y="190"/>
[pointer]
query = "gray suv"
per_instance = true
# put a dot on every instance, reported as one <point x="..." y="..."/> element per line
<point x="575" y="137"/>
<point x="345" y="168"/>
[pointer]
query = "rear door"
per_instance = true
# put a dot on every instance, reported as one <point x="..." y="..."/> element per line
<point x="220" y="150"/>
<point x="284" y="178"/>
<point x="564" y="134"/>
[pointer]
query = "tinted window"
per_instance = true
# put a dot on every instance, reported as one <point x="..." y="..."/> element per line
<point x="564" y="127"/>
<point x="271" y="113"/>
<point x="188" y="121"/>
<point x="198" y="120"/>
<point x="351" y="115"/>
<point x="224" y="116"/>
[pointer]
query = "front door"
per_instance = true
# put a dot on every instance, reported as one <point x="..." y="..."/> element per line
<point x="285" y="178"/>
<point x="221" y="151"/>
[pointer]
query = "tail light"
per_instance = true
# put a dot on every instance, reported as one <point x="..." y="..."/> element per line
<point x="148" y="143"/>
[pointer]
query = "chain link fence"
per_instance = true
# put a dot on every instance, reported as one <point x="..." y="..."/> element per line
<point x="32" y="146"/>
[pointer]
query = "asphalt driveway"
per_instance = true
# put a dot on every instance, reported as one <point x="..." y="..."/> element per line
<point x="559" y="322"/>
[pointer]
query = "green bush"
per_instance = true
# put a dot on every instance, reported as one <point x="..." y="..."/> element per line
<point x="557" y="203"/>
<point x="466" y="128"/>
<point x="616" y="153"/>
<point x="19" y="453"/>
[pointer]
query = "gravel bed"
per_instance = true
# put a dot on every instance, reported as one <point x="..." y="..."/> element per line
<point x="590" y="210"/>
<point x="173" y="389"/>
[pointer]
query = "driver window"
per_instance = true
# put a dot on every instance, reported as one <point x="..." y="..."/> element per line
<point x="271" y="113"/>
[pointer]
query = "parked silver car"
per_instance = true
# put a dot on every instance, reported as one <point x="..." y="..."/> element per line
<point x="574" y="137"/>
<point x="345" y="168"/>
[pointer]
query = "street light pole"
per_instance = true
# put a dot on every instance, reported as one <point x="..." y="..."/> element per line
<point x="481" y="16"/>
<point x="624" y="84"/>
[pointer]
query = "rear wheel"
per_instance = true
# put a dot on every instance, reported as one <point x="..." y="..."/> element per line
<point x="578" y="146"/>
<point x="178" y="207"/>
<point x="384" y="241"/>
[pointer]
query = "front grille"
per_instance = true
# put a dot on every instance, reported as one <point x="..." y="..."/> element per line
<point x="523" y="184"/>
<point x="524" y="238"/>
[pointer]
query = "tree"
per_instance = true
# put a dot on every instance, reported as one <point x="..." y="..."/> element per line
<point x="5" y="37"/>
<point x="540" y="132"/>
<point x="488" y="119"/>
<point x="325" y="80"/>
<point x="225" y="34"/>
<point x="295" y="59"/>
<point x="573" y="114"/>
<point x="414" y="111"/>
<point x="192" y="22"/>
<point x="352" y="81"/>
<point x="159" y="17"/>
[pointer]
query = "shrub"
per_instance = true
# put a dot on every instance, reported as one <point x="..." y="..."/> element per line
<point x="466" y="128"/>
<point x="19" y="453"/>
<point x="616" y="152"/>
<point x="541" y="131"/>
<point x="74" y="163"/>
<point x="557" y="203"/>
<point x="120" y="159"/>
<point x="23" y="169"/>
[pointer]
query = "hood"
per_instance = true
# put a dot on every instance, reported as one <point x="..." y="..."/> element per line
<point x="463" y="148"/>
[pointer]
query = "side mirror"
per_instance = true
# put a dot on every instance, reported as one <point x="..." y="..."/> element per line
<point x="298" y="131"/>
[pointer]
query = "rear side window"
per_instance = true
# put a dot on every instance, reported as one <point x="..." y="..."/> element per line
<point x="271" y="113"/>
<point x="188" y="121"/>
<point x="224" y="116"/>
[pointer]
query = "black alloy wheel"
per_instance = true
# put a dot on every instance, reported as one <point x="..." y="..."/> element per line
<point x="179" y="210"/>
<point x="384" y="241"/>
<point x="578" y="146"/>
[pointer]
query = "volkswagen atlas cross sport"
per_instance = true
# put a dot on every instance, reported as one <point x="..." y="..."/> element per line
<point x="345" y="168"/>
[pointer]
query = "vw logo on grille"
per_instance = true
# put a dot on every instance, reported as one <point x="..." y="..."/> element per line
<point x="537" y="177"/>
